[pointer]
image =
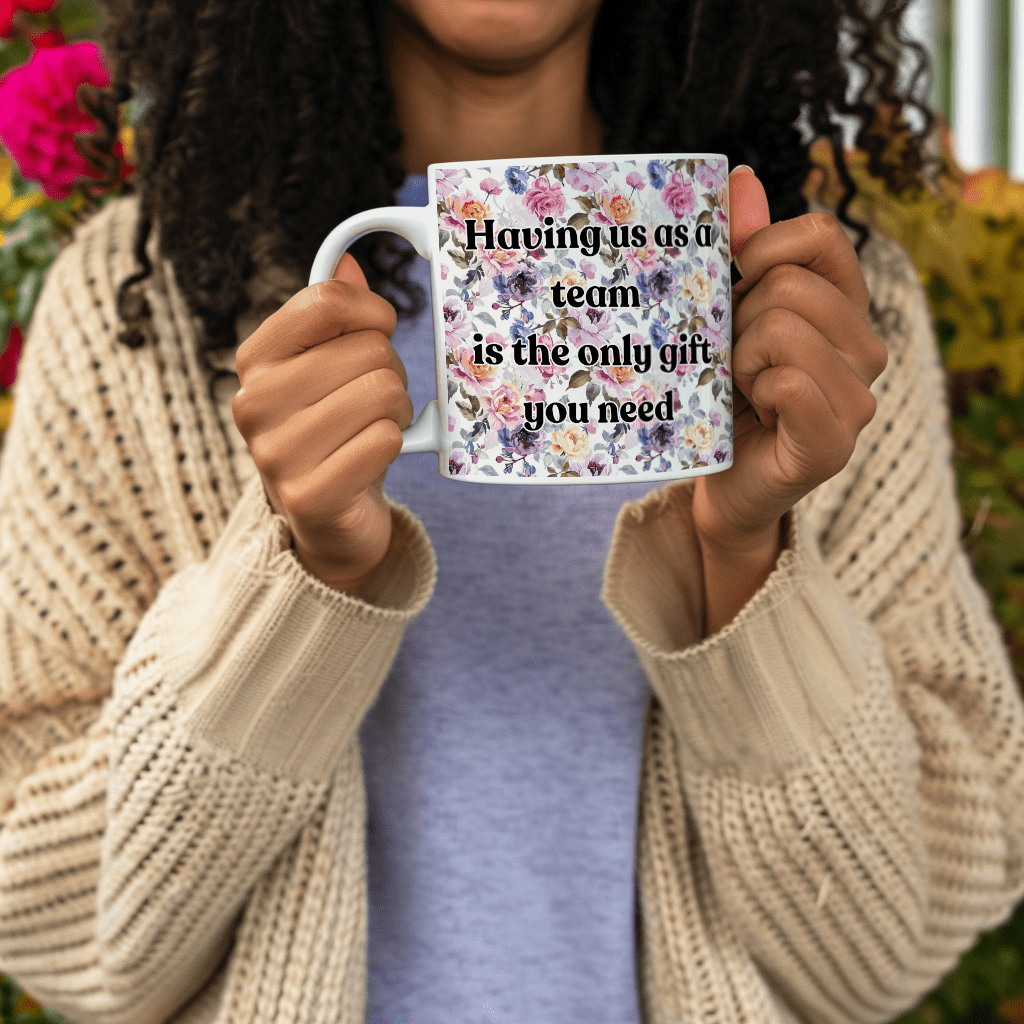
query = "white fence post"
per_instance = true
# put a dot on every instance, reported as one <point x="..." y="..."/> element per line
<point x="975" y="81"/>
<point x="1017" y="89"/>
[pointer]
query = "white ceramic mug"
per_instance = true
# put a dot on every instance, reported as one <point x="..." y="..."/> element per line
<point x="582" y="316"/>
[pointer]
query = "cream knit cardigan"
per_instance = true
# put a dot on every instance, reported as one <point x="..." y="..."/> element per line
<point x="832" y="794"/>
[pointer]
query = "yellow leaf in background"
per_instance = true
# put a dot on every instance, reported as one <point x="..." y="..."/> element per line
<point x="26" y="1004"/>
<point x="6" y="189"/>
<point x="128" y="142"/>
<point x="10" y="208"/>
<point x="972" y="352"/>
<point x="965" y="235"/>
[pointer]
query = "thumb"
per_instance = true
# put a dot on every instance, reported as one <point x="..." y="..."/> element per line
<point x="748" y="207"/>
<point x="349" y="270"/>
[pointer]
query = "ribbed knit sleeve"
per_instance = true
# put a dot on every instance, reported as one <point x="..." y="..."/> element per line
<point x="839" y="791"/>
<point x="177" y="692"/>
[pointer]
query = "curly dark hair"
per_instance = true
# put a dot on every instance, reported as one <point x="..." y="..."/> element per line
<point x="271" y="121"/>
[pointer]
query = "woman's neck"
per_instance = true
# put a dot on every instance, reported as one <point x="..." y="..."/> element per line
<point x="451" y="110"/>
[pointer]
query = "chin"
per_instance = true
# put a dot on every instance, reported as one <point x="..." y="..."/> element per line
<point x="498" y="32"/>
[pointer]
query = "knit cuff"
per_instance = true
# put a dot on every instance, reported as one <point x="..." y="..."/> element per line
<point x="757" y="697"/>
<point x="271" y="664"/>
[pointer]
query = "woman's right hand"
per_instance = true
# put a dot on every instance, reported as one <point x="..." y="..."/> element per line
<point x="322" y="405"/>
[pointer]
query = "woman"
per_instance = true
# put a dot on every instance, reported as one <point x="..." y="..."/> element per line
<point x="214" y="618"/>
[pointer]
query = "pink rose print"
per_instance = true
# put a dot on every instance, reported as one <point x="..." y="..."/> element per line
<point x="504" y="405"/>
<point x="498" y="261"/>
<point x="545" y="199"/>
<point x="619" y="380"/>
<point x="645" y="393"/>
<point x="634" y="179"/>
<point x="613" y="208"/>
<point x="463" y="206"/>
<point x="678" y="196"/>
<point x="639" y="260"/>
<point x="479" y="375"/>
<point x="490" y="186"/>
<point x="589" y="269"/>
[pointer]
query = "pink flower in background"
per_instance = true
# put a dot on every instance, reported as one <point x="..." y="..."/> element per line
<point x="545" y="199"/>
<point x="490" y="186"/>
<point x="8" y="9"/>
<point x="9" y="358"/>
<point x="39" y="114"/>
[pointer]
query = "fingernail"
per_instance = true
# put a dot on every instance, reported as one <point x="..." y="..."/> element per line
<point x="735" y="274"/>
<point x="744" y="167"/>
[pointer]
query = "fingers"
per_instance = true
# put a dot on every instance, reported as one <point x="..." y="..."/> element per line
<point x="311" y="317"/>
<point x="813" y="442"/>
<point x="824" y="307"/>
<point x="748" y="207"/>
<point x="295" y="447"/>
<point x="815" y="241"/>
<point x="269" y="398"/>
<point x="347" y="472"/>
<point x="780" y="339"/>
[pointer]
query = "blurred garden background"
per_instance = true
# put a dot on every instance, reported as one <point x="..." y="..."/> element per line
<point x="964" y="231"/>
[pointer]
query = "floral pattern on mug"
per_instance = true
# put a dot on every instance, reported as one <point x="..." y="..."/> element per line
<point x="587" y="317"/>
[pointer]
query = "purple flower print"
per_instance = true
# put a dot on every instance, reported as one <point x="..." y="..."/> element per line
<point x="658" y="335"/>
<point x="587" y="177"/>
<point x="517" y="180"/>
<point x="520" y="441"/>
<point x="659" y="285"/>
<point x="656" y="439"/>
<point x="457" y="464"/>
<point x="595" y="326"/>
<point x="658" y="173"/>
<point x="521" y="284"/>
<point x="449" y="179"/>
<point x="706" y="176"/>
<point x="596" y="464"/>
<point x="457" y="321"/>
<point x="678" y="195"/>
<point x="519" y="331"/>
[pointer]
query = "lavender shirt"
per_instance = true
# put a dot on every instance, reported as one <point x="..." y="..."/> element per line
<point x="502" y="757"/>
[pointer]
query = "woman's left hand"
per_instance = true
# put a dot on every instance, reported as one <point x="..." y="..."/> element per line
<point x="803" y="358"/>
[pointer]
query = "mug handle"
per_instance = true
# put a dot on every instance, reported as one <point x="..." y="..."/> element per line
<point x="416" y="225"/>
